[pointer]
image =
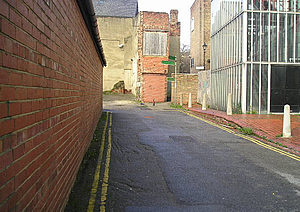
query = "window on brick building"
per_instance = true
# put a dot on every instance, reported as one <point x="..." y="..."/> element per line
<point x="155" y="43"/>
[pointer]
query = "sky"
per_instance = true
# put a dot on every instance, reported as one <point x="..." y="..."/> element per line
<point x="183" y="7"/>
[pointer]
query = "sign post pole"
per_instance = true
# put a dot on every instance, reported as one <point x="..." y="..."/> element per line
<point x="172" y="62"/>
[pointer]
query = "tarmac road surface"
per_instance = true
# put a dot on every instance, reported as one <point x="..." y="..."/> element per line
<point x="165" y="160"/>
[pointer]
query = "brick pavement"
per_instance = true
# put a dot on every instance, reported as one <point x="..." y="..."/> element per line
<point x="268" y="126"/>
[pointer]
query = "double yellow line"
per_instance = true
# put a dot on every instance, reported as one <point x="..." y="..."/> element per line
<point x="295" y="157"/>
<point x="98" y="168"/>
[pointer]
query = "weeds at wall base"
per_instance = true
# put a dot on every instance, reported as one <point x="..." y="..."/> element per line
<point x="175" y="106"/>
<point x="80" y="193"/>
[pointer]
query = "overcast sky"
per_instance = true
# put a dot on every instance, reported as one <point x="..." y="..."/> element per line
<point x="183" y="7"/>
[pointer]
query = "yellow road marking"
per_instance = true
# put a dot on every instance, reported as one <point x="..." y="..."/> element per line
<point x="98" y="168"/>
<point x="106" y="172"/>
<point x="295" y="157"/>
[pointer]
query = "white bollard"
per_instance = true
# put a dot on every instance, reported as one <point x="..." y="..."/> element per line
<point x="190" y="100"/>
<point x="204" y="102"/>
<point x="229" y="104"/>
<point x="181" y="99"/>
<point x="286" y="132"/>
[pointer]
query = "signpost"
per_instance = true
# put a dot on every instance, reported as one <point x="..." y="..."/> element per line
<point x="170" y="79"/>
<point x="172" y="62"/>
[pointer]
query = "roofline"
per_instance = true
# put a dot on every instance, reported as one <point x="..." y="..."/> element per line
<point x="88" y="13"/>
<point x="154" y="12"/>
<point x="110" y="16"/>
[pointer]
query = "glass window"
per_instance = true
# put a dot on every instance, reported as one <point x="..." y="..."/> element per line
<point x="297" y="5"/>
<point x="273" y="37"/>
<point x="192" y="24"/>
<point x="255" y="88"/>
<point x="298" y="39"/>
<point x="256" y="37"/>
<point x="273" y="5"/>
<point x="249" y="33"/>
<point x="250" y="5"/>
<point x="240" y="84"/>
<point x="155" y="43"/>
<point x="286" y="5"/>
<point x="264" y="39"/>
<point x="241" y="38"/>
<point x="264" y="88"/>
<point x="264" y="4"/>
<point x="248" y="86"/>
<point x="290" y="5"/>
<point x="282" y="35"/>
<point x="256" y="4"/>
<point x="290" y="38"/>
<point x="281" y="5"/>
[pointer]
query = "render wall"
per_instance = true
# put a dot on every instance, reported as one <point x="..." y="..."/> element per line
<point x="50" y="101"/>
<point x="204" y="86"/>
<point x="119" y="40"/>
<point x="186" y="83"/>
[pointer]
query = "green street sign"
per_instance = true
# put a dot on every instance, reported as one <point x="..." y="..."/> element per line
<point x="170" y="79"/>
<point x="172" y="57"/>
<point x="172" y="63"/>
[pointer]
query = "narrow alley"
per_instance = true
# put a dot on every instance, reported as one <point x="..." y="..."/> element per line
<point x="165" y="160"/>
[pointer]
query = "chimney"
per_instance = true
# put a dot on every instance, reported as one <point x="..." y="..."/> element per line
<point x="174" y="16"/>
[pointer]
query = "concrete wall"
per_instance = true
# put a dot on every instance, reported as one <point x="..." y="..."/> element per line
<point x="50" y="102"/>
<point x="186" y="83"/>
<point x="204" y="86"/>
<point x="200" y="11"/>
<point x="119" y="40"/>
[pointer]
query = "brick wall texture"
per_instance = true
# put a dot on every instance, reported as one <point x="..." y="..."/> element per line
<point x="151" y="72"/>
<point x="186" y="83"/>
<point x="50" y="101"/>
<point x="174" y="24"/>
<point x="154" y="85"/>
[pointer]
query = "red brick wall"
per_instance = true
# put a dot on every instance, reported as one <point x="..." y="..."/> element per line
<point x="174" y="24"/>
<point x="50" y="101"/>
<point x="156" y="20"/>
<point x="154" y="65"/>
<point x="150" y="67"/>
<point x="155" y="87"/>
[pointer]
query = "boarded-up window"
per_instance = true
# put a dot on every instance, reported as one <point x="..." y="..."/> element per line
<point x="155" y="43"/>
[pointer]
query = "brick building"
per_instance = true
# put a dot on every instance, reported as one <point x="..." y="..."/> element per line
<point x="153" y="39"/>
<point x="135" y="44"/>
<point x="51" y="64"/>
<point x="200" y="34"/>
